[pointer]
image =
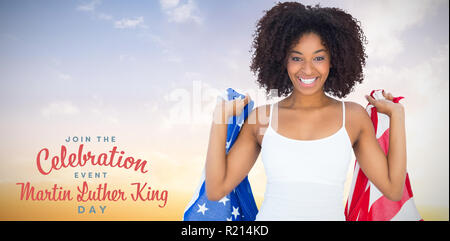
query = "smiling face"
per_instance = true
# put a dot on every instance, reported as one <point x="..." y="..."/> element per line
<point x="308" y="64"/>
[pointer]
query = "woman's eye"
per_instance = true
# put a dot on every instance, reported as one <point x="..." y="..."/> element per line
<point x="296" y="59"/>
<point x="319" y="58"/>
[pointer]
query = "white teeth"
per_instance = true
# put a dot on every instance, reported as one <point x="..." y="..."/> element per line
<point x="308" y="81"/>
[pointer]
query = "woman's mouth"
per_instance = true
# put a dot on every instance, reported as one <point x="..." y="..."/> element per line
<point x="307" y="82"/>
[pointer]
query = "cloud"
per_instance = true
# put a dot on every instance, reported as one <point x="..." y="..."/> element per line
<point x="384" y="31"/>
<point x="151" y="107"/>
<point x="103" y="116"/>
<point x="126" y="58"/>
<point x="180" y="13"/>
<point x="104" y="16"/>
<point x="150" y="37"/>
<point x="101" y="113"/>
<point x="174" y="59"/>
<point x="164" y="45"/>
<point x="89" y="7"/>
<point x="64" y="76"/>
<point x="233" y="60"/>
<point x="130" y="23"/>
<point x="425" y="80"/>
<point x="124" y="23"/>
<point x="59" y="108"/>
<point x="165" y="4"/>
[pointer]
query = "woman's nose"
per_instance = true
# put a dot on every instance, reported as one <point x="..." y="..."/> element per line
<point x="307" y="68"/>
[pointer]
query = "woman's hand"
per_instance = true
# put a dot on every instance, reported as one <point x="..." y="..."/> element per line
<point x="386" y="106"/>
<point x="227" y="108"/>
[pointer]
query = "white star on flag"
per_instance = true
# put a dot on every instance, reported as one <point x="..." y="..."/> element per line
<point x="202" y="208"/>
<point x="224" y="200"/>
<point x="235" y="212"/>
<point x="228" y="143"/>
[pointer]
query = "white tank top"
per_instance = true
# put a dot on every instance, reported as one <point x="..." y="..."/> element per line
<point x="305" y="178"/>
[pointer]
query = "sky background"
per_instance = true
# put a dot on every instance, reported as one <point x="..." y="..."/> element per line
<point x="148" y="72"/>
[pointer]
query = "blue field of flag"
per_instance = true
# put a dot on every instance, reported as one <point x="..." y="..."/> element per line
<point x="239" y="204"/>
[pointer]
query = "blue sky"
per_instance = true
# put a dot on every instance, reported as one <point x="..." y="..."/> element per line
<point x="85" y="44"/>
<point x="111" y="66"/>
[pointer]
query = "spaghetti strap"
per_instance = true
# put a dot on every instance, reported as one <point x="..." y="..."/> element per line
<point x="343" y="114"/>
<point x="270" y="115"/>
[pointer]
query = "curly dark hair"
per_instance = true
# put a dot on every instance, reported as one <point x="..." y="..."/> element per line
<point x="283" y="25"/>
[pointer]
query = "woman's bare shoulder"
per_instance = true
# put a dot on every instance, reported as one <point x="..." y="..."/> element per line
<point x="260" y="115"/>
<point x="357" y="114"/>
<point x="357" y="119"/>
<point x="355" y="110"/>
<point x="258" y="121"/>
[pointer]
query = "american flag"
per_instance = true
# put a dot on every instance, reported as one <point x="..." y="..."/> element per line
<point x="239" y="204"/>
<point x="365" y="202"/>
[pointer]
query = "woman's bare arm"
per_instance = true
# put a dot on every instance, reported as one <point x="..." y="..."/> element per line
<point x="387" y="173"/>
<point x="225" y="172"/>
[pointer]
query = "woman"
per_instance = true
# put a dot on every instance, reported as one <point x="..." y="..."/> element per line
<point x="306" y="139"/>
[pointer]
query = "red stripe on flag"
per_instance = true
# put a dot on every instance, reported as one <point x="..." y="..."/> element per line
<point x="374" y="118"/>
<point x="384" y="141"/>
<point x="358" y="196"/>
<point x="384" y="209"/>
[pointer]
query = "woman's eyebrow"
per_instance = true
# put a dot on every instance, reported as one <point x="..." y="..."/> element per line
<point x="315" y="52"/>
